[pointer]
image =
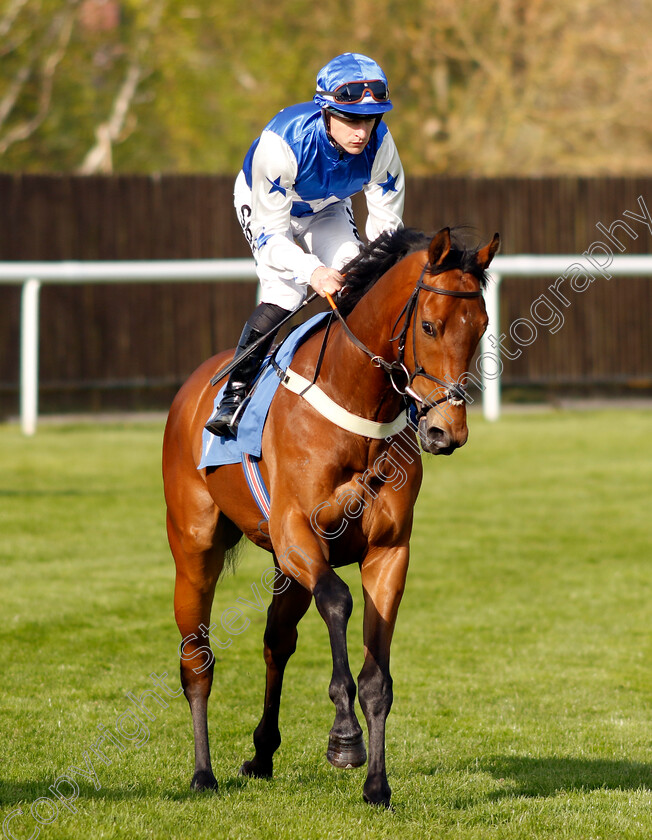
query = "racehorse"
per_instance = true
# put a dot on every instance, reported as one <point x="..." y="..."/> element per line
<point x="411" y="319"/>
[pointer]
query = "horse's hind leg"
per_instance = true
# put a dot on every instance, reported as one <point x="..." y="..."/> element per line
<point x="198" y="550"/>
<point x="284" y="613"/>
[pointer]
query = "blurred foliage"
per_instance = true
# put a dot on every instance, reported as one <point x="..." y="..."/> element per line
<point x="484" y="87"/>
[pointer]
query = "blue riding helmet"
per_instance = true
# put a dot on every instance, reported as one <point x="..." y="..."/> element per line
<point x="353" y="84"/>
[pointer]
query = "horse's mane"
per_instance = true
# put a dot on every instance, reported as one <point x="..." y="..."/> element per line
<point x="390" y="247"/>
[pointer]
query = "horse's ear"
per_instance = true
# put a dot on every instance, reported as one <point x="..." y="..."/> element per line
<point x="486" y="254"/>
<point x="440" y="246"/>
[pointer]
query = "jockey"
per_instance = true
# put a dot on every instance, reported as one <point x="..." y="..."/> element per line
<point x="293" y="201"/>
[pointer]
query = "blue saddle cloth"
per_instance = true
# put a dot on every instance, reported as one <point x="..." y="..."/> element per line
<point x="217" y="451"/>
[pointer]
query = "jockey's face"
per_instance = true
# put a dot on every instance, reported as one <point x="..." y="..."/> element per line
<point x="351" y="134"/>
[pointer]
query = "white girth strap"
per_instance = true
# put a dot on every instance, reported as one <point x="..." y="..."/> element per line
<point x="329" y="409"/>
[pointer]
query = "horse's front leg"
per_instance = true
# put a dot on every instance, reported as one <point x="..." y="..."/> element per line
<point x="288" y="606"/>
<point x="345" y="741"/>
<point x="302" y="558"/>
<point x="383" y="580"/>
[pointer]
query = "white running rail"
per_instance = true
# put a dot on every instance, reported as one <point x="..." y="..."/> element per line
<point x="32" y="275"/>
<point x="537" y="265"/>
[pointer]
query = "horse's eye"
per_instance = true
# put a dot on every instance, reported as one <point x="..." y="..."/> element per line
<point x="429" y="328"/>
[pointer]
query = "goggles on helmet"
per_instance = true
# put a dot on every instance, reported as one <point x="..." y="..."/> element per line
<point x="351" y="92"/>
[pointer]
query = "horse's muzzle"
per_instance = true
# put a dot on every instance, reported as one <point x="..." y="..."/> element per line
<point x="438" y="441"/>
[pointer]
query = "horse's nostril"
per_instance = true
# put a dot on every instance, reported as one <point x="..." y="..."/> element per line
<point x="438" y="438"/>
<point x="437" y="441"/>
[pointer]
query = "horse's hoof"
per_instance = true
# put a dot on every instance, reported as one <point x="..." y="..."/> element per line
<point x="203" y="780"/>
<point x="346" y="752"/>
<point x="256" y="769"/>
<point x="378" y="795"/>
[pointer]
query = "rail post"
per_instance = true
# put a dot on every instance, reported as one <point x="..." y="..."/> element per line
<point x="490" y="344"/>
<point x="29" y="342"/>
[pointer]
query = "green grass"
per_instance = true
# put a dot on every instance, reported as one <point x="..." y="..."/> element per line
<point x="521" y="659"/>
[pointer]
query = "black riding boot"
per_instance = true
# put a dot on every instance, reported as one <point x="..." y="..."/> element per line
<point x="265" y="317"/>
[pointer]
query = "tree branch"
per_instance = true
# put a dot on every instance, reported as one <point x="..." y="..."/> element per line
<point x="10" y="16"/>
<point x="9" y="99"/>
<point x="61" y="28"/>
<point x="100" y="157"/>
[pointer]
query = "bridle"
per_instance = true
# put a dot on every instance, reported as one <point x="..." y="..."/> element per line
<point x="455" y="393"/>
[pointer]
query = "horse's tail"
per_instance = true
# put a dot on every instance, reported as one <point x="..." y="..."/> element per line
<point x="232" y="557"/>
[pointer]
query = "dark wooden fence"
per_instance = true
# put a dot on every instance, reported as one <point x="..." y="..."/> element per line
<point x="124" y="346"/>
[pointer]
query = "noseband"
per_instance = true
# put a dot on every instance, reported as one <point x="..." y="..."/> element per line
<point x="456" y="393"/>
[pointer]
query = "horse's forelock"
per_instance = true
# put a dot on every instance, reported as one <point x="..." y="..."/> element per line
<point x="464" y="259"/>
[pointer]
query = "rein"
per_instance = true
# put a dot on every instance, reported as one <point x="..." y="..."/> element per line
<point x="455" y="394"/>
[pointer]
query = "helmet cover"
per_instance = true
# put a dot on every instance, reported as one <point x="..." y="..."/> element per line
<point x="353" y="68"/>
